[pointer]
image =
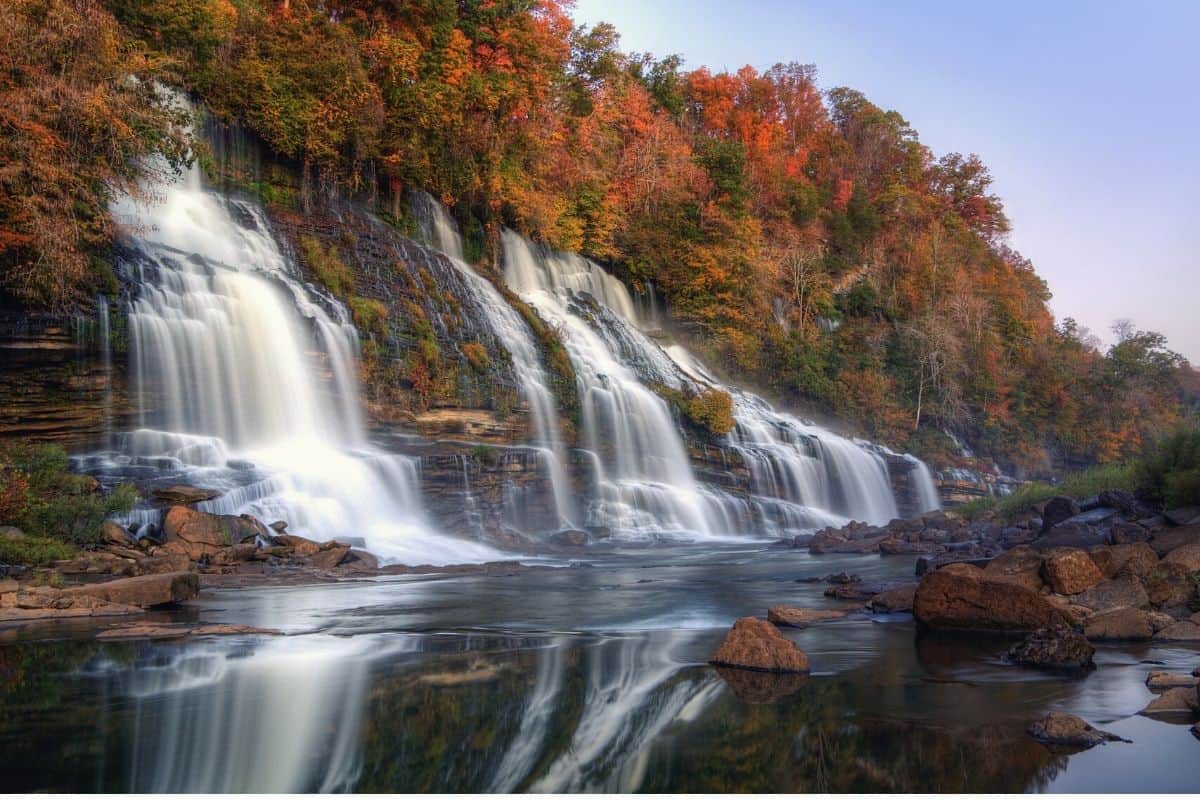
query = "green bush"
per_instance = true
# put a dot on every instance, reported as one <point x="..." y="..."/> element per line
<point x="1078" y="485"/>
<point x="1170" y="472"/>
<point x="36" y="551"/>
<point x="41" y="497"/>
<point x="712" y="410"/>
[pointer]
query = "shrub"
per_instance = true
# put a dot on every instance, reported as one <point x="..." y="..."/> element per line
<point x="1170" y="472"/>
<point x="36" y="551"/>
<point x="328" y="266"/>
<point x="39" y="496"/>
<point x="476" y="355"/>
<point x="369" y="315"/>
<point x="712" y="410"/>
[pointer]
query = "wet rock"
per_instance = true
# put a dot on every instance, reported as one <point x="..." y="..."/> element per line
<point x="1059" y="647"/>
<point x="144" y="591"/>
<point x="899" y="547"/>
<point x="1183" y="631"/>
<point x="1188" y="515"/>
<point x="948" y="601"/>
<point x="328" y="559"/>
<point x="897" y="599"/>
<point x="114" y="534"/>
<point x="757" y="688"/>
<point x="1121" y="500"/>
<point x="1059" y="728"/>
<point x="842" y="577"/>
<point x="1169" y="585"/>
<point x="360" y="560"/>
<point x="964" y="569"/>
<point x="570" y="538"/>
<point x="1123" y="623"/>
<point x="1188" y="556"/>
<point x="1081" y="537"/>
<point x="1174" y="701"/>
<point x="792" y="617"/>
<point x="756" y="644"/>
<point x="298" y="544"/>
<point x="1021" y="565"/>
<point x="279" y="525"/>
<point x="166" y="630"/>
<point x="184" y="495"/>
<point x="1137" y="558"/>
<point x="199" y="533"/>
<point x="857" y="592"/>
<point x="1168" y="539"/>
<point x="1070" y="571"/>
<point x="1161" y="681"/>
<point x="1124" y="591"/>
<point x="1058" y="509"/>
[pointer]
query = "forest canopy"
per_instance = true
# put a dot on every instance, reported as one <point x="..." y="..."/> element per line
<point x="804" y="239"/>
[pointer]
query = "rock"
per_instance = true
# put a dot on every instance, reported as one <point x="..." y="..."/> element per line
<point x="114" y="534"/>
<point x="1066" y="729"/>
<point x="1070" y="571"/>
<point x="299" y="545"/>
<point x="897" y="599"/>
<point x="1168" y="539"/>
<point x="1068" y="534"/>
<point x="1058" y="509"/>
<point x="144" y="591"/>
<point x="1174" y="701"/>
<point x="1188" y="515"/>
<point x="1185" y="631"/>
<point x="1169" y="585"/>
<point x="11" y="532"/>
<point x="1188" y="556"/>
<point x="1159" y="620"/>
<point x="1123" y="623"/>
<point x="1090" y="516"/>
<point x="858" y="592"/>
<point x="144" y="630"/>
<point x="1196" y="730"/>
<point x="757" y="688"/>
<point x="755" y="644"/>
<point x="279" y="525"/>
<point x="792" y="617"/>
<point x="900" y="547"/>
<point x="328" y="559"/>
<point x="1054" y="648"/>
<point x="945" y="600"/>
<point x="1137" y="559"/>
<point x="199" y="533"/>
<point x="166" y="562"/>
<point x="1021" y="565"/>
<point x="963" y="569"/>
<point x="1119" y="499"/>
<point x="570" y="538"/>
<point x="360" y="560"/>
<point x="842" y="577"/>
<point x="1161" y="681"/>
<point x="184" y="495"/>
<point x="1124" y="591"/>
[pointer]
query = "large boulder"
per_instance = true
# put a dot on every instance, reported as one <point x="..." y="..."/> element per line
<point x="1069" y="534"/>
<point x="947" y="601"/>
<point x="328" y="559"/>
<point x="1054" y="648"/>
<point x="200" y="534"/>
<point x="1169" y="585"/>
<point x="1187" y="515"/>
<point x="299" y="545"/>
<point x="1066" y="729"/>
<point x="1058" y="509"/>
<point x="1123" y="623"/>
<point x="1168" y="539"/>
<point x="897" y="599"/>
<point x="1124" y="591"/>
<point x="1159" y="681"/>
<point x="1070" y="571"/>
<point x="792" y="617"/>
<point x="1188" y="556"/>
<point x="758" y="645"/>
<point x="1136" y="558"/>
<point x="1184" y="631"/>
<point x="1180" y="700"/>
<point x="184" y="495"/>
<point x="1021" y="565"/>
<point x="143" y="591"/>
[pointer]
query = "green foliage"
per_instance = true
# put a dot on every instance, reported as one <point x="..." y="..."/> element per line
<point x="370" y="316"/>
<point x="39" y="496"/>
<point x="1170" y="472"/>
<point x="486" y="454"/>
<point x="1080" y="485"/>
<point x="476" y="355"/>
<point x="712" y="410"/>
<point x="328" y="267"/>
<point x="36" y="551"/>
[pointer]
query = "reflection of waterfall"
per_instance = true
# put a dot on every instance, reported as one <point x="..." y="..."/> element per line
<point x="539" y="709"/>
<point x="802" y="476"/>
<point x="229" y="348"/>
<point x="513" y="334"/>
<point x="286" y="718"/>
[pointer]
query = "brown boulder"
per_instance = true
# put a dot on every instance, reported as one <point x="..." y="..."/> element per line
<point x="1058" y="509"/>
<point x="755" y="644"/>
<point x="1053" y="648"/>
<point x="1169" y="585"/>
<point x="143" y="591"/>
<point x="1124" y="591"/>
<point x="328" y="559"/>
<point x="945" y="600"/>
<point x="962" y="568"/>
<point x="300" y="546"/>
<point x="792" y="617"/>
<point x="1123" y="623"/>
<point x="1066" y="729"/>
<point x="1070" y="571"/>
<point x="1158" y="681"/>
<point x="899" y="598"/>
<point x="113" y="534"/>
<point x="1168" y="539"/>
<point x="1021" y="565"/>
<point x="184" y="495"/>
<point x="1174" y="701"/>
<point x="202" y="534"/>
<point x="1188" y="556"/>
<point x="1137" y="559"/>
<point x="1185" y="631"/>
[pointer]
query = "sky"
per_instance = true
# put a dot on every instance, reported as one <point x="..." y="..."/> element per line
<point x="1087" y="114"/>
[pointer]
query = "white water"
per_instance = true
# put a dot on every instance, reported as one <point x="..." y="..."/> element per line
<point x="241" y="369"/>
<point x="802" y="476"/>
<point x="513" y="334"/>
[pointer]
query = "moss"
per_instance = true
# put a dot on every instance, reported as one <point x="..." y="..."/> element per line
<point x="712" y="410"/>
<point x="327" y="266"/>
<point x="476" y="355"/>
<point x="370" y="315"/>
<point x="486" y="454"/>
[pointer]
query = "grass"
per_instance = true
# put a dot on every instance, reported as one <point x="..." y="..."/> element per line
<point x="36" y="551"/>
<point x="1078" y="485"/>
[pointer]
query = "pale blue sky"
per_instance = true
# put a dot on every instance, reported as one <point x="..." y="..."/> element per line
<point x="1087" y="114"/>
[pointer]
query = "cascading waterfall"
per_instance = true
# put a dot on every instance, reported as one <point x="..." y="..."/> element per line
<point x="246" y="379"/>
<point x="513" y="334"/>
<point x="802" y="476"/>
<point x="645" y="484"/>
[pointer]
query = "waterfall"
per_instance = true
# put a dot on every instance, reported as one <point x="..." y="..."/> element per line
<point x="801" y="476"/>
<point x="106" y="421"/>
<point x="926" y="493"/>
<point x="246" y="379"/>
<point x="644" y="481"/>
<point x="512" y="333"/>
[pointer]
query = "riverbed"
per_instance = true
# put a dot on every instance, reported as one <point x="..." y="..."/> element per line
<point x="591" y="676"/>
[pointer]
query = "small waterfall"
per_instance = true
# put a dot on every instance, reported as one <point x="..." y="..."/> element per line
<point x="106" y="421"/>
<point x="246" y="379"/>
<point x="925" y="491"/>
<point x="513" y="334"/>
